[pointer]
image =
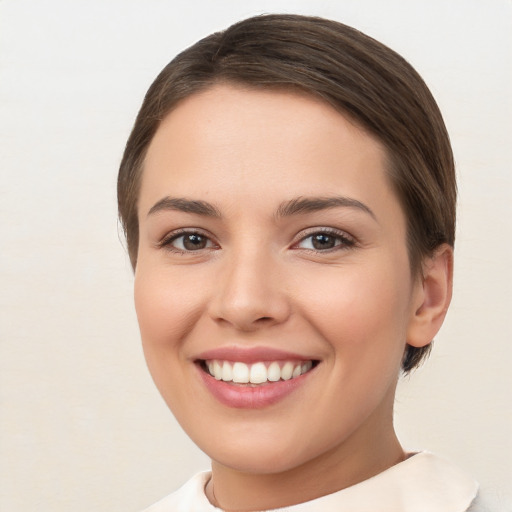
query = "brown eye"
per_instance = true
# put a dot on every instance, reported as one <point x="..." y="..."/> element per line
<point x="322" y="241"/>
<point x="193" y="242"/>
<point x="188" y="242"/>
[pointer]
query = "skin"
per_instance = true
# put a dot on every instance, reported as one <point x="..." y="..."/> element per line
<point x="259" y="282"/>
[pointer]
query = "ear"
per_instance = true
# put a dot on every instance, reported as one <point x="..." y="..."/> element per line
<point x="431" y="297"/>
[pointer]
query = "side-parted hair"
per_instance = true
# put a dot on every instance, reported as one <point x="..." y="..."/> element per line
<point x="355" y="74"/>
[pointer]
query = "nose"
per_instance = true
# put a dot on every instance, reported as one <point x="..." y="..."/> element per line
<point x="250" y="293"/>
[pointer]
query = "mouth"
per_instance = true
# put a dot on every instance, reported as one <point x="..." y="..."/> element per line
<point x="253" y="377"/>
<point x="255" y="374"/>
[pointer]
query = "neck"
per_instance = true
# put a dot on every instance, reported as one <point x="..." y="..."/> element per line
<point x="371" y="450"/>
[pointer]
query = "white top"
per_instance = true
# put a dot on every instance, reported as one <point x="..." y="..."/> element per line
<point x="421" y="483"/>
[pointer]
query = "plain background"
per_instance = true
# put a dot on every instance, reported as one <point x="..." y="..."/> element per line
<point x="82" y="427"/>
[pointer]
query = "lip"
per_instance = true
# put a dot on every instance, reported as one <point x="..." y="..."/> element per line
<point x="246" y="396"/>
<point x="250" y="355"/>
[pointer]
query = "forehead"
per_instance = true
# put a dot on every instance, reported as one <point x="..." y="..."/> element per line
<point x="252" y="142"/>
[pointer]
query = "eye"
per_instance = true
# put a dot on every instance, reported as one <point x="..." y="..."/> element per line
<point x="187" y="241"/>
<point x="324" y="241"/>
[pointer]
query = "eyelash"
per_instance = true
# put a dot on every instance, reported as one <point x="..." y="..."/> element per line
<point x="167" y="241"/>
<point x="341" y="239"/>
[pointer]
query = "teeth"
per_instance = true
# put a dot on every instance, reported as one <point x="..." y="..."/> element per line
<point x="240" y="373"/>
<point x="274" y="372"/>
<point x="227" y="372"/>
<point x="217" y="370"/>
<point x="306" y="367"/>
<point x="257" y="373"/>
<point x="287" y="371"/>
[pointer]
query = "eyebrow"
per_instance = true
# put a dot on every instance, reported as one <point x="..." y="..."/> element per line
<point x="181" y="204"/>
<point x="313" y="204"/>
<point x="297" y="206"/>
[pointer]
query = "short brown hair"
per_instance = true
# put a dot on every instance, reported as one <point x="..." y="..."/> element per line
<point x="355" y="74"/>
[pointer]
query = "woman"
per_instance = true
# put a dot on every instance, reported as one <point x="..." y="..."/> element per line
<point x="288" y="198"/>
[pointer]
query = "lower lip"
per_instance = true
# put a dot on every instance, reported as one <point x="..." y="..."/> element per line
<point x="251" y="397"/>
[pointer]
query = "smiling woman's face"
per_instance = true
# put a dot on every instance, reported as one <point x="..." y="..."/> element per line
<point x="272" y="249"/>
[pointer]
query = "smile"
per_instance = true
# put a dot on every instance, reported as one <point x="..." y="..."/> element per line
<point x="253" y="377"/>
<point x="257" y="373"/>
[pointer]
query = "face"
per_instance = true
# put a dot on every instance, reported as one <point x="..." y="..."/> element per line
<point x="273" y="287"/>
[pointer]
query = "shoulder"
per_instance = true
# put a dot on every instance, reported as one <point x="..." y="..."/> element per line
<point x="188" y="498"/>
<point x="437" y="481"/>
<point x="422" y="482"/>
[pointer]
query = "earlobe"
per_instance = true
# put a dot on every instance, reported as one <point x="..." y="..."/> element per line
<point x="432" y="297"/>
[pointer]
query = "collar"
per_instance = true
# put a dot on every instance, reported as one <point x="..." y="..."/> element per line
<point x="423" y="482"/>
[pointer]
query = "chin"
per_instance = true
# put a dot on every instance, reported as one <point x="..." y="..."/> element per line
<point x="259" y="459"/>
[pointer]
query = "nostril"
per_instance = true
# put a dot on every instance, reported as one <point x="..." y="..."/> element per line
<point x="246" y="310"/>
<point x="265" y="320"/>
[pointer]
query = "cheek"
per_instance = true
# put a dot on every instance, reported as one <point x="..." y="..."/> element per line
<point x="362" y="312"/>
<point x="164" y="313"/>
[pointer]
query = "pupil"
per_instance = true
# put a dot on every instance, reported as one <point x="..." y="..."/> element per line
<point x="322" y="241"/>
<point x="194" y="242"/>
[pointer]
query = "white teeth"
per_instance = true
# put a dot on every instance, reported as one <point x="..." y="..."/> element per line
<point x="227" y="372"/>
<point x="217" y="370"/>
<point x="257" y="373"/>
<point x="287" y="371"/>
<point x="274" y="372"/>
<point x="240" y="373"/>
<point x="306" y="366"/>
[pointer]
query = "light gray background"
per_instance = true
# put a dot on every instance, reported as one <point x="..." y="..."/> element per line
<point x="82" y="428"/>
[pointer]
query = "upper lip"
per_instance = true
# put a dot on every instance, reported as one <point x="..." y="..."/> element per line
<point x="250" y="355"/>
